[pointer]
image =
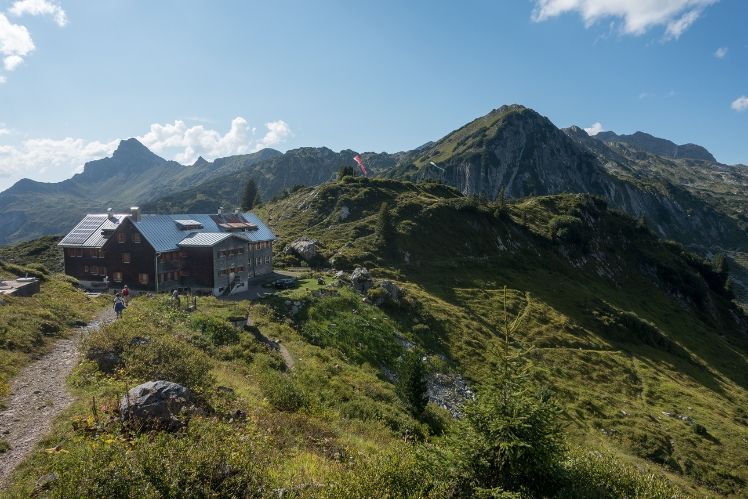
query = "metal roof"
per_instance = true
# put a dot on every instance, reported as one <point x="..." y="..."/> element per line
<point x="163" y="234"/>
<point x="162" y="231"/>
<point x="204" y="239"/>
<point x="87" y="234"/>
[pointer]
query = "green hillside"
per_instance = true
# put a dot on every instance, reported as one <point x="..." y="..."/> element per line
<point x="620" y="321"/>
<point x="632" y="344"/>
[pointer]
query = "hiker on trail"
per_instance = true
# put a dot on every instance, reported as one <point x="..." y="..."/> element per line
<point x="119" y="305"/>
<point x="126" y="295"/>
<point x="175" y="295"/>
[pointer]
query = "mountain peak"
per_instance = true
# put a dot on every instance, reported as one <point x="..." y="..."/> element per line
<point x="200" y="161"/>
<point x="132" y="147"/>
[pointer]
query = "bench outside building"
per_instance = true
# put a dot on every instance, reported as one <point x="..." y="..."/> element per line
<point x="214" y="254"/>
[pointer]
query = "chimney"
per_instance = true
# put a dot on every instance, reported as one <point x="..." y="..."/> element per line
<point x="109" y="213"/>
<point x="135" y="213"/>
<point x="236" y="211"/>
<point x="220" y="210"/>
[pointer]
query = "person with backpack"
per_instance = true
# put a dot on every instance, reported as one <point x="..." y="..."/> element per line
<point x="126" y="295"/>
<point x="119" y="305"/>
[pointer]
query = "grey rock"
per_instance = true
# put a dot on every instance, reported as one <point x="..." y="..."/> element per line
<point x="44" y="481"/>
<point x="391" y="288"/>
<point x="155" y="404"/>
<point x="303" y="247"/>
<point x="340" y="275"/>
<point x="140" y="340"/>
<point x="361" y="280"/>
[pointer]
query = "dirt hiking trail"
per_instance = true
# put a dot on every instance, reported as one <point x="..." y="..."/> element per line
<point x="38" y="394"/>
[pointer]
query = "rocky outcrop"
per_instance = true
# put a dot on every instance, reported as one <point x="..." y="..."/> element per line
<point x="361" y="280"/>
<point x="391" y="288"/>
<point x="303" y="247"/>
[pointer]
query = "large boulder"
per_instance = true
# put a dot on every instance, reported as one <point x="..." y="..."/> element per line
<point x="391" y="288"/>
<point x="155" y="404"/>
<point x="361" y="280"/>
<point x="303" y="247"/>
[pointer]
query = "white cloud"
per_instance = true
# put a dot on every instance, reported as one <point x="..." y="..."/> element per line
<point x="39" y="8"/>
<point x="38" y="154"/>
<point x="721" y="52"/>
<point x="594" y="129"/>
<point x="3" y="79"/>
<point x="278" y="131"/>
<point x="182" y="143"/>
<point x="638" y="15"/>
<point x="12" y="61"/>
<point x="15" y="42"/>
<point x="740" y="104"/>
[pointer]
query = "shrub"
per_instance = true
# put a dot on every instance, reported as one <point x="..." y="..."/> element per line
<point x="283" y="392"/>
<point x="568" y="228"/>
<point x="171" y="359"/>
<point x="217" y="330"/>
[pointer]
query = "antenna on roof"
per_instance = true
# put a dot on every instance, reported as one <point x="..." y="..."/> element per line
<point x="109" y="213"/>
<point x="220" y="210"/>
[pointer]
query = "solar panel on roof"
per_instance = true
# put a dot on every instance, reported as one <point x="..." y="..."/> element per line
<point x="83" y="230"/>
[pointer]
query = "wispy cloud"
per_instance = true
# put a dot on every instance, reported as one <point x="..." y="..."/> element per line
<point x="740" y="104"/>
<point x="594" y="129"/>
<point x="3" y="79"/>
<point x="721" y="52"/>
<point x="670" y="94"/>
<point x="643" y="94"/>
<point x="183" y="144"/>
<point x="638" y="16"/>
<point x="39" y="8"/>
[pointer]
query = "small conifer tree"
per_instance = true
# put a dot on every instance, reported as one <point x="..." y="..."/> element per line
<point x="509" y="439"/>
<point x="250" y="193"/>
<point x="257" y="201"/>
<point x="411" y="384"/>
<point x="385" y="228"/>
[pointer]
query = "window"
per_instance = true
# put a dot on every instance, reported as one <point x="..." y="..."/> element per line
<point x="117" y="277"/>
<point x="85" y="269"/>
<point x="143" y="278"/>
<point x="240" y="269"/>
<point x="101" y="253"/>
<point x="79" y="252"/>
<point x="94" y="270"/>
<point x="240" y="251"/>
<point x="71" y="252"/>
<point x="121" y="237"/>
<point x="126" y="257"/>
<point x="136" y="238"/>
<point x="267" y="259"/>
<point x="102" y="271"/>
<point x="259" y="261"/>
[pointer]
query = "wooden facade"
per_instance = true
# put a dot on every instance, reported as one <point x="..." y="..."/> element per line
<point x="219" y="263"/>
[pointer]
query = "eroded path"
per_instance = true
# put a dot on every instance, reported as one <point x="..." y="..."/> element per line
<point x="38" y="394"/>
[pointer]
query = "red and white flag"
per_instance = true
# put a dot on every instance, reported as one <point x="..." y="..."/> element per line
<point x="361" y="164"/>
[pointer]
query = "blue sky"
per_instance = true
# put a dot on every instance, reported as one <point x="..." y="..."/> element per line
<point x="196" y="78"/>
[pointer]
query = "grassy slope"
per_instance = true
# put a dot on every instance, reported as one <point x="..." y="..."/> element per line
<point x="29" y="325"/>
<point x="335" y="418"/>
<point x="459" y="254"/>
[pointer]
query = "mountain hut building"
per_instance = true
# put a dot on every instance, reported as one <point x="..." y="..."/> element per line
<point x="214" y="254"/>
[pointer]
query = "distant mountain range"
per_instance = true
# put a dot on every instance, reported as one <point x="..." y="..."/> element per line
<point x="681" y="190"/>
<point x="660" y="147"/>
